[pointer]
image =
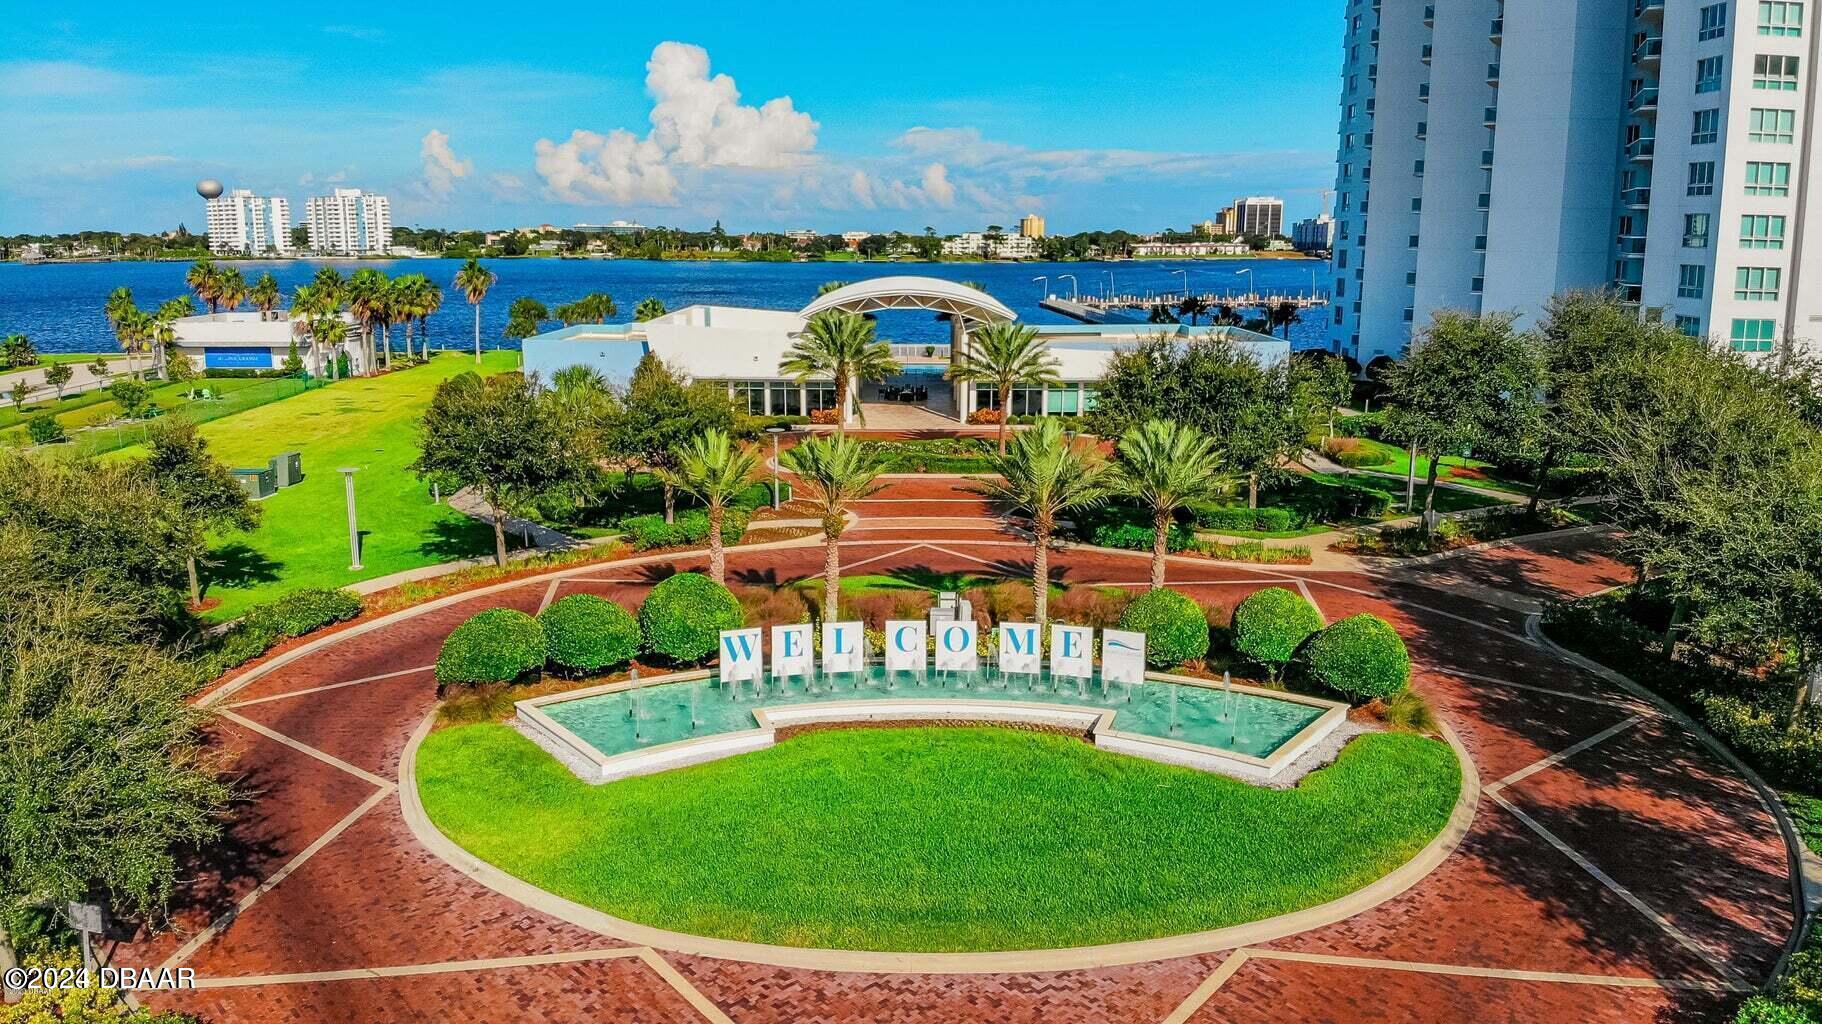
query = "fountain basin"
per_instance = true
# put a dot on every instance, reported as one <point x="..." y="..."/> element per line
<point x="638" y="727"/>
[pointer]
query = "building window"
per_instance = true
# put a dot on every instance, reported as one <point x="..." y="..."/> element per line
<point x="1692" y="282"/>
<point x="749" y="395"/>
<point x="1417" y="168"/>
<point x="1714" y="22"/>
<point x="1690" y="325"/>
<point x="1708" y="75"/>
<point x="1410" y="278"/>
<point x="1414" y="240"/>
<point x="1753" y="335"/>
<point x="1090" y="399"/>
<point x="1707" y="128"/>
<point x="1775" y="72"/>
<point x="1767" y="179"/>
<point x="1761" y="231"/>
<point x="1780" y="18"/>
<point x="1757" y="284"/>
<point x="1695" y="231"/>
<point x="1063" y="401"/>
<point x="1027" y="401"/>
<point x="787" y="399"/>
<point x="1416" y="204"/>
<point x="1701" y="178"/>
<point x="1410" y="315"/>
<point x="818" y="396"/>
<point x="1776" y="126"/>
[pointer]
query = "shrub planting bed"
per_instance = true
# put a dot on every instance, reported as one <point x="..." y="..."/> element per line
<point x="682" y="618"/>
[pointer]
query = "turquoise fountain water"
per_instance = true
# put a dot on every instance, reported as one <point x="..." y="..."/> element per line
<point x="1222" y="719"/>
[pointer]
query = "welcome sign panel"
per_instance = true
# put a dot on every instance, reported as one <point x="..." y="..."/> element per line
<point x="741" y="657"/>
<point x="955" y="646"/>
<point x="907" y="645"/>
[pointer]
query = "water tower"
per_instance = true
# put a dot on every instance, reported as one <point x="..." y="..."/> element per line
<point x="208" y="188"/>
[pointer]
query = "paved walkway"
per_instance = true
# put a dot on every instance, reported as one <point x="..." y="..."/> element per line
<point x="1615" y="870"/>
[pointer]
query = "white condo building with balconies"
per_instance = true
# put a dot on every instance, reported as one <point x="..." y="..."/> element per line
<point x="1493" y="155"/>
<point x="349" y="223"/>
<point x="243" y="224"/>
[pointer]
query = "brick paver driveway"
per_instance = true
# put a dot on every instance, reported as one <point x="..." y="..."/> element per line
<point x="1616" y="870"/>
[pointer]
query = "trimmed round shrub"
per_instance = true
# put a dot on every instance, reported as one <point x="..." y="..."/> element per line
<point x="495" y="646"/>
<point x="585" y="633"/>
<point x="1175" y="628"/>
<point x="1270" y="624"/>
<point x="682" y="618"/>
<point x="1361" y="657"/>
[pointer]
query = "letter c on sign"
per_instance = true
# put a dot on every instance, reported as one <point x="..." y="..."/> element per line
<point x="899" y="639"/>
<point x="952" y="634"/>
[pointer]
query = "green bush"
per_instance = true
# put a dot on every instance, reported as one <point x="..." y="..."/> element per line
<point x="1228" y="518"/>
<point x="1365" y="425"/>
<point x="1139" y="538"/>
<point x="1270" y="624"/>
<point x="585" y="633"/>
<point x="682" y="618"/>
<point x="302" y="611"/>
<point x="494" y="646"/>
<point x="44" y="429"/>
<point x="1361" y="657"/>
<point x="691" y="527"/>
<point x="1764" y="1010"/>
<point x="1175" y="627"/>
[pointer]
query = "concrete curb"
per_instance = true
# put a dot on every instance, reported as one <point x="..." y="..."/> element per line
<point x="1385" y="888"/>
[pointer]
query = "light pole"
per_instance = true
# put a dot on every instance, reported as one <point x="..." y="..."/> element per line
<point x="1185" y="274"/>
<point x="1249" y="278"/>
<point x="1074" y="291"/>
<point x="774" y="430"/>
<point x="1113" y="292"/>
<point x="1044" y="288"/>
<point x="354" y="530"/>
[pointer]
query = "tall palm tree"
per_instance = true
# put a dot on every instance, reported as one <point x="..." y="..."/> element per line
<point x="203" y="278"/>
<point x="230" y="288"/>
<point x="310" y="305"/>
<point x="830" y="286"/>
<point x="164" y="329"/>
<point x="366" y="300"/>
<point x="1005" y="355"/>
<point x="833" y="472"/>
<point x="840" y="346"/>
<point x="1285" y="315"/>
<point x="330" y="283"/>
<point x="120" y="302"/>
<point x="430" y="299"/>
<point x="1045" y="475"/>
<point x="264" y="295"/>
<point x="1167" y="465"/>
<point x="331" y="332"/>
<point x="593" y="308"/>
<point x="715" y="470"/>
<point x="404" y="298"/>
<point x="133" y="328"/>
<point x="472" y="281"/>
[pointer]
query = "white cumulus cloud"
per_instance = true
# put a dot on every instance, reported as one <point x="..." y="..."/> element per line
<point x="441" y="166"/>
<point x="698" y="121"/>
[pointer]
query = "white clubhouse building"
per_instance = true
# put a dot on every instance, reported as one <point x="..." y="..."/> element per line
<point x="742" y="348"/>
<point x="250" y="340"/>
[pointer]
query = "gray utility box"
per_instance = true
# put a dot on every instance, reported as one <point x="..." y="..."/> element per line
<point x="288" y="467"/>
<point x="258" y="483"/>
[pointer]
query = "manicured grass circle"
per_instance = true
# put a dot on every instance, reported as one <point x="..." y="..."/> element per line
<point x="920" y="839"/>
<point x="682" y="618"/>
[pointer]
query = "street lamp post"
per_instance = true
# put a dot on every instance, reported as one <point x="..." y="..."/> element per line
<point x="774" y="430"/>
<point x="1074" y="289"/>
<point x="354" y="530"/>
<point x="1249" y="279"/>
<point x="1044" y="288"/>
<point x="1185" y="274"/>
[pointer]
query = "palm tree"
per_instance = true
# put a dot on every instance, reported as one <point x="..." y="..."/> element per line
<point x="1045" y="475"/>
<point x="1284" y="314"/>
<point x="1166" y="465"/>
<point x="164" y="328"/>
<point x="430" y="299"/>
<point x="230" y="288"/>
<point x="830" y="286"/>
<point x="120" y="302"/>
<point x="331" y="332"/>
<point x="1006" y="355"/>
<point x="593" y="308"/>
<point x="1192" y="306"/>
<point x="713" y="469"/>
<point x="366" y="300"/>
<point x="834" y="472"/>
<point x="648" y="309"/>
<point x="840" y="346"/>
<point x="329" y="282"/>
<point x="472" y="281"/>
<point x="203" y="279"/>
<point x="264" y="295"/>
<point x="311" y="304"/>
<point x="405" y="297"/>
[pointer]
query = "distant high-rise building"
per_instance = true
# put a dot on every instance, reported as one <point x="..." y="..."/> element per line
<point x="349" y="223"/>
<point x="1511" y="152"/>
<point x="245" y="224"/>
<point x="1258" y="215"/>
<point x="1316" y="234"/>
<point x="1031" y="226"/>
<point x="1225" y="222"/>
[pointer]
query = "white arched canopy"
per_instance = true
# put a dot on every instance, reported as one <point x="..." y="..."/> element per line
<point x="910" y="292"/>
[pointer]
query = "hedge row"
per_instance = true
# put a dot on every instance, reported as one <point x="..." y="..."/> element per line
<point x="1133" y="537"/>
<point x="297" y="613"/>
<point x="1228" y="518"/>
<point x="691" y="527"/>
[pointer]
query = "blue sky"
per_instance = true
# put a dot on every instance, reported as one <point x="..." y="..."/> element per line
<point x="764" y="115"/>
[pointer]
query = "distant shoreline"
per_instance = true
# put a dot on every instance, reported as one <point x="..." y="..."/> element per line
<point x="1289" y="257"/>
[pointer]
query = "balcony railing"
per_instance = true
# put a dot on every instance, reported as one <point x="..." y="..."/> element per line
<point x="1649" y="51"/>
<point x="1632" y="246"/>
<point x="1642" y="149"/>
<point x="1645" y="100"/>
<point x="902" y="351"/>
<point x="1638" y="197"/>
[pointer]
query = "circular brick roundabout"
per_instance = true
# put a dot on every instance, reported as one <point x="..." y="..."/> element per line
<point x="1616" y="868"/>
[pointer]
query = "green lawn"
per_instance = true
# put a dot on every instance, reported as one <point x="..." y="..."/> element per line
<point x="937" y="839"/>
<point x="302" y="540"/>
<point x="90" y="407"/>
<point x="1398" y="460"/>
